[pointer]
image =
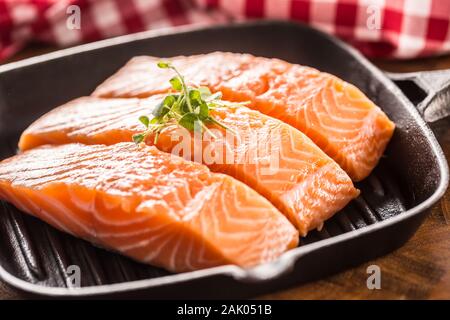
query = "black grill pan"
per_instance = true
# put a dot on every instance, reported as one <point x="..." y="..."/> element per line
<point x="411" y="177"/>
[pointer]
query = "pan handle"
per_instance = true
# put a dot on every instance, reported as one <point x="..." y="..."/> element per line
<point x="428" y="90"/>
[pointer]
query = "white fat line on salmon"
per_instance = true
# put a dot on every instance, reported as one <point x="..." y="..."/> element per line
<point x="198" y="310"/>
<point x="247" y="148"/>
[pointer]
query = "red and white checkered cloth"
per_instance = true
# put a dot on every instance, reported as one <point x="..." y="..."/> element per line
<point x="379" y="28"/>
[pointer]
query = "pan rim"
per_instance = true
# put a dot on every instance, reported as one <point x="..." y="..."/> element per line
<point x="265" y="272"/>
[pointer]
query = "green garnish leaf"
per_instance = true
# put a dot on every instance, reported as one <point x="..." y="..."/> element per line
<point x="164" y="65"/>
<point x="184" y="108"/>
<point x="170" y="100"/>
<point x="195" y="96"/>
<point x="176" y="83"/>
<point x="160" y="110"/>
<point x="189" y="108"/>
<point x="164" y="106"/>
<point x="203" y="111"/>
<point x="155" y="121"/>
<point x="144" y="120"/>
<point x="138" y="138"/>
<point x="188" y="121"/>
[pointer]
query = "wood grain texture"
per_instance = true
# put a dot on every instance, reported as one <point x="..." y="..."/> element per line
<point x="418" y="270"/>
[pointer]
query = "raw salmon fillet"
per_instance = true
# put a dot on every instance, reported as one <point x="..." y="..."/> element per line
<point x="148" y="205"/>
<point x="336" y="115"/>
<point x="268" y="155"/>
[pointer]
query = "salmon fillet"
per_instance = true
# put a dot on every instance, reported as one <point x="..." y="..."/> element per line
<point x="268" y="155"/>
<point x="148" y="205"/>
<point x="336" y="115"/>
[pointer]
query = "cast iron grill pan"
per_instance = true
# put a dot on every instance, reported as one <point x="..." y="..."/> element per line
<point x="409" y="179"/>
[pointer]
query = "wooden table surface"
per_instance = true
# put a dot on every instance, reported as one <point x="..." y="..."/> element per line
<point x="418" y="270"/>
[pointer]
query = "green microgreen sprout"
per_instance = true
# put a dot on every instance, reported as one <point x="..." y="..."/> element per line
<point x="188" y="107"/>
